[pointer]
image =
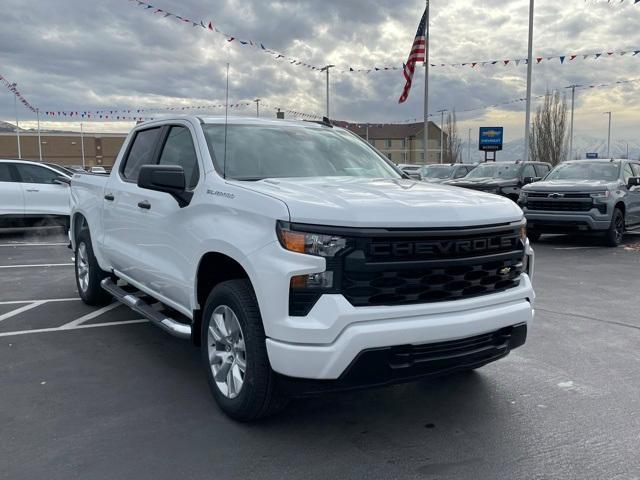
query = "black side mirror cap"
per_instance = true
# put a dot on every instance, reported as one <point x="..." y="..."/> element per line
<point x="165" y="178"/>
<point x="633" y="182"/>
<point x="528" y="180"/>
<point x="62" y="180"/>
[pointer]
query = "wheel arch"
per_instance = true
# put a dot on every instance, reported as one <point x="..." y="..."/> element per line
<point x="213" y="269"/>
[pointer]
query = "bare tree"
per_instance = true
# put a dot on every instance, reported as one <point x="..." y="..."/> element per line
<point x="452" y="143"/>
<point x="548" y="141"/>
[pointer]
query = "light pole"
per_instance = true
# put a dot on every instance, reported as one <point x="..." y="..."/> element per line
<point x="573" y="98"/>
<point x="469" y="149"/>
<point x="82" y="144"/>
<point x="15" y="107"/>
<point x="529" y="73"/>
<point x="609" y="135"/>
<point x="326" y="68"/>
<point x="39" y="140"/>
<point x="257" y="100"/>
<point x="441" y="133"/>
<point x="425" y="133"/>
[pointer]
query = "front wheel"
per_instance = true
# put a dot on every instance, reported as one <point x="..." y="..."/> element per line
<point x="234" y="353"/>
<point x="615" y="234"/>
<point x="89" y="274"/>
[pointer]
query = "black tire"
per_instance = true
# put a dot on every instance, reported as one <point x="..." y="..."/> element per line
<point x="90" y="292"/>
<point x="615" y="234"/>
<point x="534" y="236"/>
<point x="258" y="396"/>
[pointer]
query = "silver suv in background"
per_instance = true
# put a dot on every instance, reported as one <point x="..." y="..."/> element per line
<point x="440" y="173"/>
<point x="585" y="196"/>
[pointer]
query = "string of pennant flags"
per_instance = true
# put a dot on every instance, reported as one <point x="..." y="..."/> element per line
<point x="210" y="26"/>
<point x="12" y="87"/>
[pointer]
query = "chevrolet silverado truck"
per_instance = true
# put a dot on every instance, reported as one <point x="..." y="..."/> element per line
<point x="299" y="259"/>
<point x="503" y="178"/>
<point x="585" y="197"/>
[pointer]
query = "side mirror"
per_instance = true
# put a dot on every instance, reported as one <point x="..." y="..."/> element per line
<point x="633" y="182"/>
<point x="528" y="180"/>
<point x="165" y="178"/>
<point x="62" y="180"/>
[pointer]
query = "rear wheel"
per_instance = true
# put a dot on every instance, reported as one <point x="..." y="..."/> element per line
<point x="234" y="353"/>
<point x="89" y="274"/>
<point x="615" y="234"/>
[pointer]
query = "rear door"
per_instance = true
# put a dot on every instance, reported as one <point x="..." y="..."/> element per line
<point x="42" y="194"/>
<point x="11" y="194"/>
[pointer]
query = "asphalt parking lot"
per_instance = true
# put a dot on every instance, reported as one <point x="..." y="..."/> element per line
<point x="101" y="394"/>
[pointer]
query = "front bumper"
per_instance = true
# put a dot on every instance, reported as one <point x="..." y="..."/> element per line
<point x="562" y="222"/>
<point x="323" y="344"/>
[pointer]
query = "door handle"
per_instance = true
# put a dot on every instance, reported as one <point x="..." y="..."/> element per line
<point x="109" y="197"/>
<point x="32" y="190"/>
<point x="144" y="204"/>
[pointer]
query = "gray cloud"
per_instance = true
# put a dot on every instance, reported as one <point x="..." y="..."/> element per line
<point x="76" y="55"/>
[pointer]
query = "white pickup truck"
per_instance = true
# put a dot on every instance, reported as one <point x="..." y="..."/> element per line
<point x="299" y="259"/>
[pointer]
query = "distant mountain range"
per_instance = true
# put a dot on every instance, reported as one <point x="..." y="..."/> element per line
<point x="582" y="144"/>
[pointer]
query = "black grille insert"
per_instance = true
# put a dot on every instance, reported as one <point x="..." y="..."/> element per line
<point x="559" y="205"/>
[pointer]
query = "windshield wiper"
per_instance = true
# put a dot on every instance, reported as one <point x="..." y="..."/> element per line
<point x="248" y="179"/>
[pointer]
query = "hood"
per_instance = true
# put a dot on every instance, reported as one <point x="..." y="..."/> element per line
<point x="365" y="202"/>
<point x="436" y="180"/>
<point x="481" y="182"/>
<point x="571" y="186"/>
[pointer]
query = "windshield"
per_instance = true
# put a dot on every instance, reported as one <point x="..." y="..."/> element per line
<point x="495" y="170"/>
<point x="585" y="171"/>
<point x="255" y="152"/>
<point x="437" y="171"/>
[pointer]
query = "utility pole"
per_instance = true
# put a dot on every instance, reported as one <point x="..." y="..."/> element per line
<point x="441" y="133"/>
<point x="82" y="144"/>
<point x="609" y="135"/>
<point x="257" y="100"/>
<point x="39" y="140"/>
<point x="425" y="135"/>
<point x="529" y="74"/>
<point x="367" y="134"/>
<point x="15" y="107"/>
<point x="469" y="149"/>
<point x="326" y="69"/>
<point x="573" y="98"/>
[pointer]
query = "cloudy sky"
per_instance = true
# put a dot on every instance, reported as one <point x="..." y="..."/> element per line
<point x="110" y="54"/>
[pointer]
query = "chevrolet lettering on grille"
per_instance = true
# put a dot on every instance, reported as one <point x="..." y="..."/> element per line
<point x="443" y="247"/>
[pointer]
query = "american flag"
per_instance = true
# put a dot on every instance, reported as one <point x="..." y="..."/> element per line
<point x="418" y="54"/>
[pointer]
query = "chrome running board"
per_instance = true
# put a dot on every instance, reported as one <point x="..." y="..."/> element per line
<point x="167" y="324"/>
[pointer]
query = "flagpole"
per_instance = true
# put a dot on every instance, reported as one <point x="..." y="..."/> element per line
<point x="39" y="139"/>
<point x="425" y="139"/>
<point x="529" y="74"/>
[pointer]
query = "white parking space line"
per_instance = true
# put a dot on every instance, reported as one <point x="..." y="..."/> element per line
<point x="39" y="265"/>
<point x="77" y="327"/>
<point x="34" y="244"/>
<point x="18" y="311"/>
<point x="89" y="316"/>
<point x="18" y="302"/>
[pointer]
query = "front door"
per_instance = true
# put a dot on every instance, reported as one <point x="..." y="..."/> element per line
<point x="43" y="195"/>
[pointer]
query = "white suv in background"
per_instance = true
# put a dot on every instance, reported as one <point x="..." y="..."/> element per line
<point x="32" y="194"/>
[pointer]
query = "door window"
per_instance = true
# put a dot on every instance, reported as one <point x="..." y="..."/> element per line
<point x="179" y="150"/>
<point x="6" y="174"/>
<point x="636" y="169"/>
<point x="36" y="174"/>
<point x="627" y="173"/>
<point x="528" y="171"/>
<point x="140" y="153"/>
<point x="542" y="170"/>
<point x="461" y="172"/>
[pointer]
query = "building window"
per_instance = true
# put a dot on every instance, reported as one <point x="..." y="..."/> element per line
<point x="387" y="143"/>
<point x="421" y="155"/>
<point x="389" y="156"/>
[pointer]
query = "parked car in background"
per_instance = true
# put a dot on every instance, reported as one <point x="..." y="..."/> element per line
<point x="585" y="196"/>
<point x="440" y="173"/>
<point x="60" y="168"/>
<point x="412" y="171"/>
<point x="299" y="260"/>
<point x="98" y="169"/>
<point x="33" y="193"/>
<point x="503" y="178"/>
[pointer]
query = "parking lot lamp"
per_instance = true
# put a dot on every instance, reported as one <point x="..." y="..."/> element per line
<point x="82" y="144"/>
<point x="609" y="135"/>
<point x="39" y="140"/>
<point x="15" y="107"/>
<point x="529" y="74"/>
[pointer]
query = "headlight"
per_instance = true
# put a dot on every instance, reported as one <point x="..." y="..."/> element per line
<point x="523" y="231"/>
<point x="523" y="196"/>
<point x="317" y="244"/>
<point x="601" y="195"/>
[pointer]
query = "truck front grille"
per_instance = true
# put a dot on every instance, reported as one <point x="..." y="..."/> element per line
<point x="560" y="205"/>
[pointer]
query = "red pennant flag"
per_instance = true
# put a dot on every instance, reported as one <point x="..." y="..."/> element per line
<point x="572" y="57"/>
<point x="210" y="26"/>
<point x="506" y="62"/>
<point x="538" y="60"/>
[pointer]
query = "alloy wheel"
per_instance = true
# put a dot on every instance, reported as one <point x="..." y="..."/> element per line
<point x="227" y="353"/>
<point x="82" y="267"/>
